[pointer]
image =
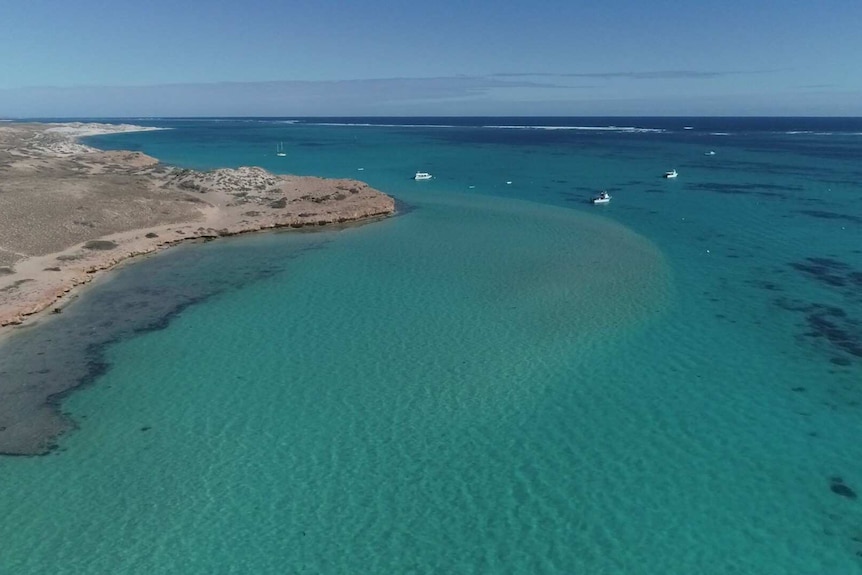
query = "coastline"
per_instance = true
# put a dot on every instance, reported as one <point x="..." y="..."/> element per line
<point x="70" y="213"/>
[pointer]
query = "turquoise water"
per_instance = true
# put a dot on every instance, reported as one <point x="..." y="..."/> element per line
<point x="502" y="379"/>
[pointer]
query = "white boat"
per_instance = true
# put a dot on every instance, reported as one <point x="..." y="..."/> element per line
<point x="709" y="153"/>
<point x="279" y="150"/>
<point x="670" y="174"/>
<point x="422" y="176"/>
<point x="602" y="198"/>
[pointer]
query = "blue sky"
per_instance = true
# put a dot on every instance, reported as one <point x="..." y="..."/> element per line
<point x="467" y="57"/>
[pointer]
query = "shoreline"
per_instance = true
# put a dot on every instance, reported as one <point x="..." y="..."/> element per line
<point x="69" y="214"/>
<point x="194" y="205"/>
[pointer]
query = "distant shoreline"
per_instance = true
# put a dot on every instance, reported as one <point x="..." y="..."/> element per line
<point x="69" y="213"/>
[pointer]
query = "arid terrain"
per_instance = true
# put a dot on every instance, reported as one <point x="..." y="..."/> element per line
<point x="68" y="211"/>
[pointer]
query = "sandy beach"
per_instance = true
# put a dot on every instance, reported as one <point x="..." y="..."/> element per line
<point x="69" y="213"/>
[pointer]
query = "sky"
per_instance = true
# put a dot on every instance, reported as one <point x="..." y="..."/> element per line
<point x="293" y="58"/>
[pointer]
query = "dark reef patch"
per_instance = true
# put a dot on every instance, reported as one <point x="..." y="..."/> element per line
<point x="824" y="215"/>
<point x="764" y="284"/>
<point x="764" y="190"/>
<point x="44" y="366"/>
<point x="402" y="207"/>
<point x="838" y="487"/>
<point x="825" y="270"/>
<point x="830" y="324"/>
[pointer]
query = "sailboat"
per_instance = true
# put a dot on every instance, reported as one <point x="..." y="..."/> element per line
<point x="279" y="150"/>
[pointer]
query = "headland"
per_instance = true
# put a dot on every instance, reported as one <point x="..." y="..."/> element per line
<point x="69" y="212"/>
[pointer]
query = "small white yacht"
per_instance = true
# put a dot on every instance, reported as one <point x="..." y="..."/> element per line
<point x="709" y="153"/>
<point x="602" y="198"/>
<point x="422" y="176"/>
<point x="670" y="174"/>
<point x="279" y="150"/>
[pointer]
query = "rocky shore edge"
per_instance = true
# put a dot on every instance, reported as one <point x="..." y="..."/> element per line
<point x="179" y="205"/>
<point x="69" y="213"/>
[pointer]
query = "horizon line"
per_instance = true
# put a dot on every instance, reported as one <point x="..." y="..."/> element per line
<point x="250" y="116"/>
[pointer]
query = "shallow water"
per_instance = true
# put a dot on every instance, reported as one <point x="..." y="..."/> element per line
<point x="481" y="384"/>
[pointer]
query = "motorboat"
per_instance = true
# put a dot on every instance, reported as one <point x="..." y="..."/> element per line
<point x="670" y="174"/>
<point x="602" y="198"/>
<point x="709" y="153"/>
<point x="422" y="176"/>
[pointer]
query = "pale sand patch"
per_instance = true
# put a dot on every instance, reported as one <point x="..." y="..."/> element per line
<point x="69" y="212"/>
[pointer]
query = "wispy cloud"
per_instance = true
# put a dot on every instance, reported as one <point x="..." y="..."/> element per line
<point x="648" y="75"/>
<point x="527" y="93"/>
<point x="277" y="98"/>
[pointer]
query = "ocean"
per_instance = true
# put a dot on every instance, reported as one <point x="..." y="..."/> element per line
<point x="503" y="378"/>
